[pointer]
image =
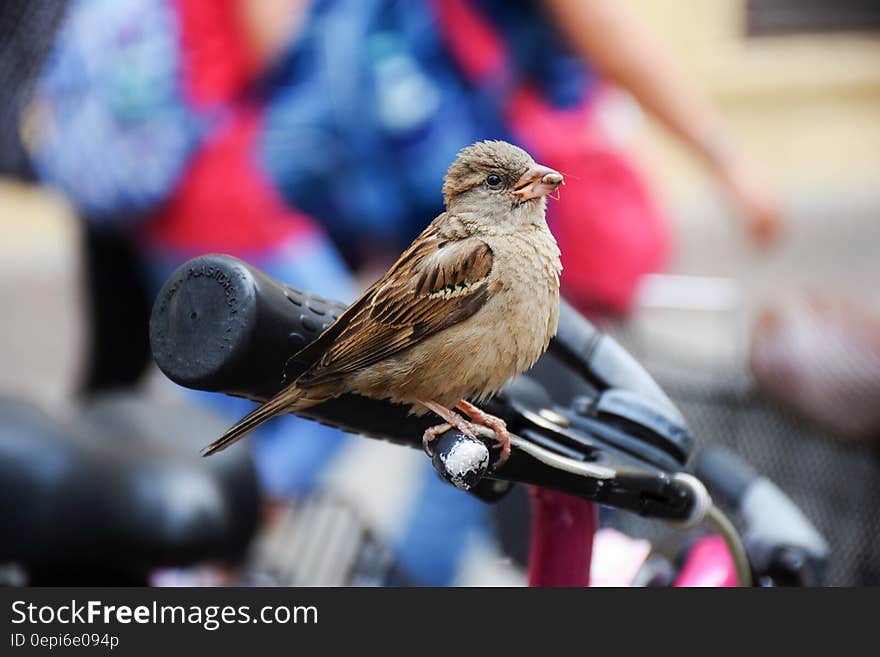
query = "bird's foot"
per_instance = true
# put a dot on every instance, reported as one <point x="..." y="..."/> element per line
<point x="452" y="418"/>
<point x="496" y="424"/>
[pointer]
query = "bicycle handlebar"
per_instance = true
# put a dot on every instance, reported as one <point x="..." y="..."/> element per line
<point x="221" y="325"/>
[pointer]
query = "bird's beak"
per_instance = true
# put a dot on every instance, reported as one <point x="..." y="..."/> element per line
<point x="536" y="182"/>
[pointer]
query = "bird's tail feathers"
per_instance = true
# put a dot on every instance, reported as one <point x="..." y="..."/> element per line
<point x="288" y="400"/>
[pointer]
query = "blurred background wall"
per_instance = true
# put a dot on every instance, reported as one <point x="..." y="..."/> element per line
<point x="806" y="103"/>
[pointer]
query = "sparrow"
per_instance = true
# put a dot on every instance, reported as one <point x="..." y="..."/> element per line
<point x="471" y="303"/>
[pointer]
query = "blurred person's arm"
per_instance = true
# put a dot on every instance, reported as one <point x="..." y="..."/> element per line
<point x="623" y="50"/>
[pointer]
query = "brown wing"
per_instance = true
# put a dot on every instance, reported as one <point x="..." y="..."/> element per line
<point x="435" y="283"/>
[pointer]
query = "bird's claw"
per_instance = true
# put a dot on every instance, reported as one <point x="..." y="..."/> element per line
<point x="502" y="439"/>
<point x="431" y="434"/>
<point x="478" y="417"/>
<point x="495" y="424"/>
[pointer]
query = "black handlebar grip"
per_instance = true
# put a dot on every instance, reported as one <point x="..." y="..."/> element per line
<point x="218" y="324"/>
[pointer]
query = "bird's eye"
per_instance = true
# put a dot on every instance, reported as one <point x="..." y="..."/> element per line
<point x="493" y="180"/>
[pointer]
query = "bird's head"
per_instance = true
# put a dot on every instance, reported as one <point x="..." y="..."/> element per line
<point x="498" y="178"/>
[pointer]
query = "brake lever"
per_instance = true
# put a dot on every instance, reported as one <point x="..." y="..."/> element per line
<point x="547" y="450"/>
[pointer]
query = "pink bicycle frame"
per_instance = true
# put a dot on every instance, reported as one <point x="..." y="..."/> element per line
<point x="561" y="546"/>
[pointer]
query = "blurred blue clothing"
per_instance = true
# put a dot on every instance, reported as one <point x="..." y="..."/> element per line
<point x="371" y="99"/>
<point x="379" y="115"/>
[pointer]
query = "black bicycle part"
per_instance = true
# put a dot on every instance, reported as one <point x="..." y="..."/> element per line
<point x="117" y="491"/>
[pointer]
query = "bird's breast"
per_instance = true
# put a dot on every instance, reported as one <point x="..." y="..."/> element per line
<point x="526" y="310"/>
<point x="476" y="357"/>
<point x="512" y="330"/>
